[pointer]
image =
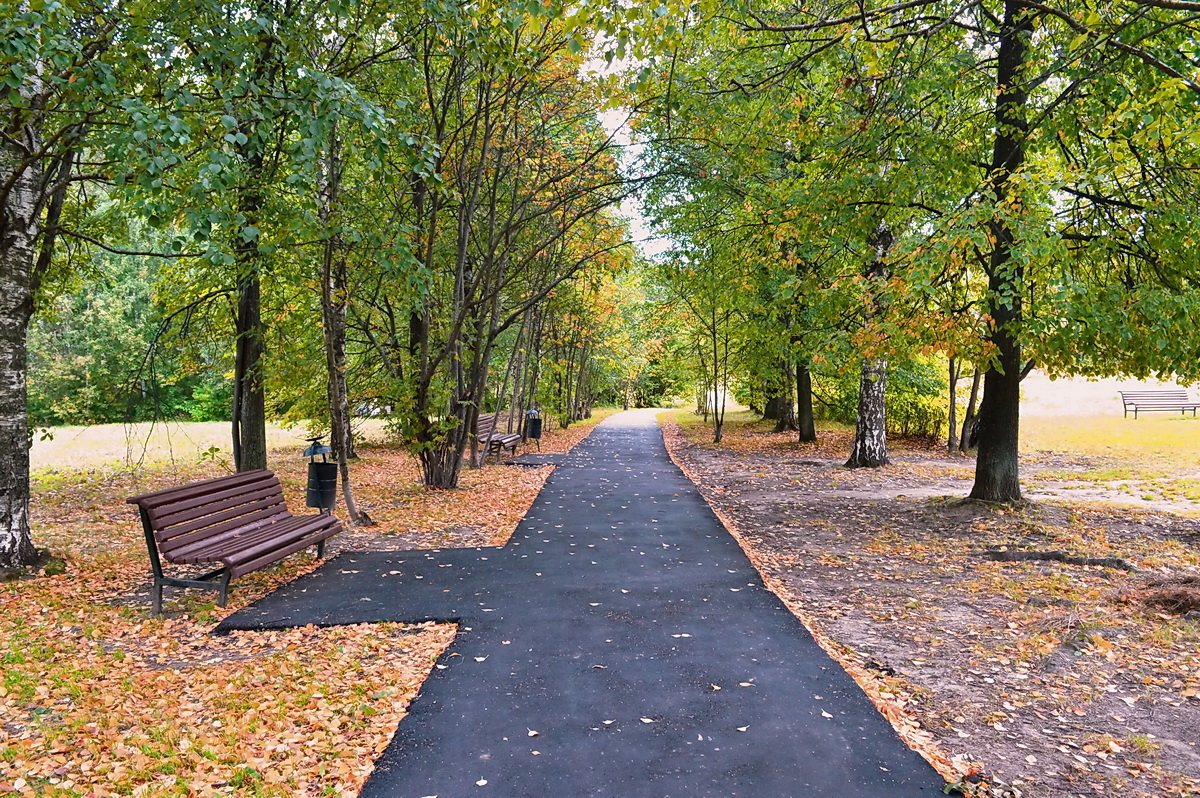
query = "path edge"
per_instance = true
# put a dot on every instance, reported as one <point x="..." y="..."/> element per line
<point x="953" y="769"/>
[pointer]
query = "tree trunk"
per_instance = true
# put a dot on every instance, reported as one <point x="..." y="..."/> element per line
<point x="249" y="398"/>
<point x="440" y="468"/>
<point x="805" y="422"/>
<point x="441" y="454"/>
<point x="954" y="369"/>
<point x="582" y="400"/>
<point x="870" y="431"/>
<point x="870" y="435"/>
<point x="335" y="292"/>
<point x="250" y="416"/>
<point x="18" y="242"/>
<point x="718" y="388"/>
<point x="786" y="420"/>
<point x="996" y="470"/>
<point x="965" y="440"/>
<point x="996" y="473"/>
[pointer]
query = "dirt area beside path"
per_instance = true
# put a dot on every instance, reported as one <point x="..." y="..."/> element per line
<point x="1077" y="675"/>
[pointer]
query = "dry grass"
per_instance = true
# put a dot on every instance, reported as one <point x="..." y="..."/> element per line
<point x="148" y="445"/>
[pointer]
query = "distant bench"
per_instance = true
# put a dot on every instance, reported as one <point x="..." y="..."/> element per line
<point x="240" y="521"/>
<point x="1170" y="399"/>
<point x="492" y="441"/>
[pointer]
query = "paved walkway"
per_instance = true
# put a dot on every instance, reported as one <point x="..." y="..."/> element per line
<point x="626" y="628"/>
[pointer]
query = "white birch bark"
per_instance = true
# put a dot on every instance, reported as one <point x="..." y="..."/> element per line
<point x="18" y="242"/>
<point x="870" y="438"/>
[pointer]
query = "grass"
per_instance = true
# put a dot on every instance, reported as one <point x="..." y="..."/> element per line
<point x="154" y="444"/>
<point x="1148" y="446"/>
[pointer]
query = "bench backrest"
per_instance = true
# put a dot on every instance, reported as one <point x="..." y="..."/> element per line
<point x="191" y="513"/>
<point x="485" y="425"/>
<point x="1166" y="395"/>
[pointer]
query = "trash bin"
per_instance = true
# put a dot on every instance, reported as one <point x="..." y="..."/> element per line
<point x="322" y="477"/>
<point x="322" y="485"/>
<point x="533" y="426"/>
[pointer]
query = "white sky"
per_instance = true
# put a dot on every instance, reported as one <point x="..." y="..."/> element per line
<point x="615" y="123"/>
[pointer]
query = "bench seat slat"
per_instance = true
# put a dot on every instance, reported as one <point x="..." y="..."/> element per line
<point x="302" y="543"/>
<point x="250" y="542"/>
<point x="1172" y="405"/>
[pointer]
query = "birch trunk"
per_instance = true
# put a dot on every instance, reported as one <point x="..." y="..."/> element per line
<point x="870" y="438"/>
<point x="870" y="433"/>
<point x="18" y="243"/>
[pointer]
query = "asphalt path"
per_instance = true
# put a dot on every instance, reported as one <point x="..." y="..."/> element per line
<point x="621" y="644"/>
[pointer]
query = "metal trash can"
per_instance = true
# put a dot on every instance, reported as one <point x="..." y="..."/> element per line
<point x="533" y="426"/>
<point x="322" y="477"/>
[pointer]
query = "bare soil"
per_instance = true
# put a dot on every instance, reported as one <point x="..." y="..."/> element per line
<point x="1033" y="677"/>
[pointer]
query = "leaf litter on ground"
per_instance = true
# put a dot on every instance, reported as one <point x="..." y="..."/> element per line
<point x="99" y="698"/>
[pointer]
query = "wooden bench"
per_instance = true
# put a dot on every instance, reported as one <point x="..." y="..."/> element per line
<point x="492" y="441"/>
<point x="1170" y="399"/>
<point x="239" y="521"/>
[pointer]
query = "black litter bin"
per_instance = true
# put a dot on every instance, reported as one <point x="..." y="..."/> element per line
<point x="322" y="485"/>
<point x="322" y="476"/>
<point x="533" y="426"/>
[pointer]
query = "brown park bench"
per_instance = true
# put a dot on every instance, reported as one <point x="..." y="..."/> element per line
<point x="239" y="521"/>
<point x="492" y="441"/>
<point x="1169" y="399"/>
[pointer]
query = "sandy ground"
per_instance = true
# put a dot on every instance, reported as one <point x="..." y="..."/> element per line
<point x="1054" y="679"/>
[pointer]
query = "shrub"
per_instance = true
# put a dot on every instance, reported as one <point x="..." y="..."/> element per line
<point x="916" y="401"/>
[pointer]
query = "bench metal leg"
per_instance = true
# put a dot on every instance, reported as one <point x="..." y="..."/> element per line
<point x="320" y="549"/>
<point x="224" y="589"/>
<point x="215" y="580"/>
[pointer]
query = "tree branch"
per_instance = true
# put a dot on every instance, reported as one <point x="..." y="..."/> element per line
<point x="120" y="251"/>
